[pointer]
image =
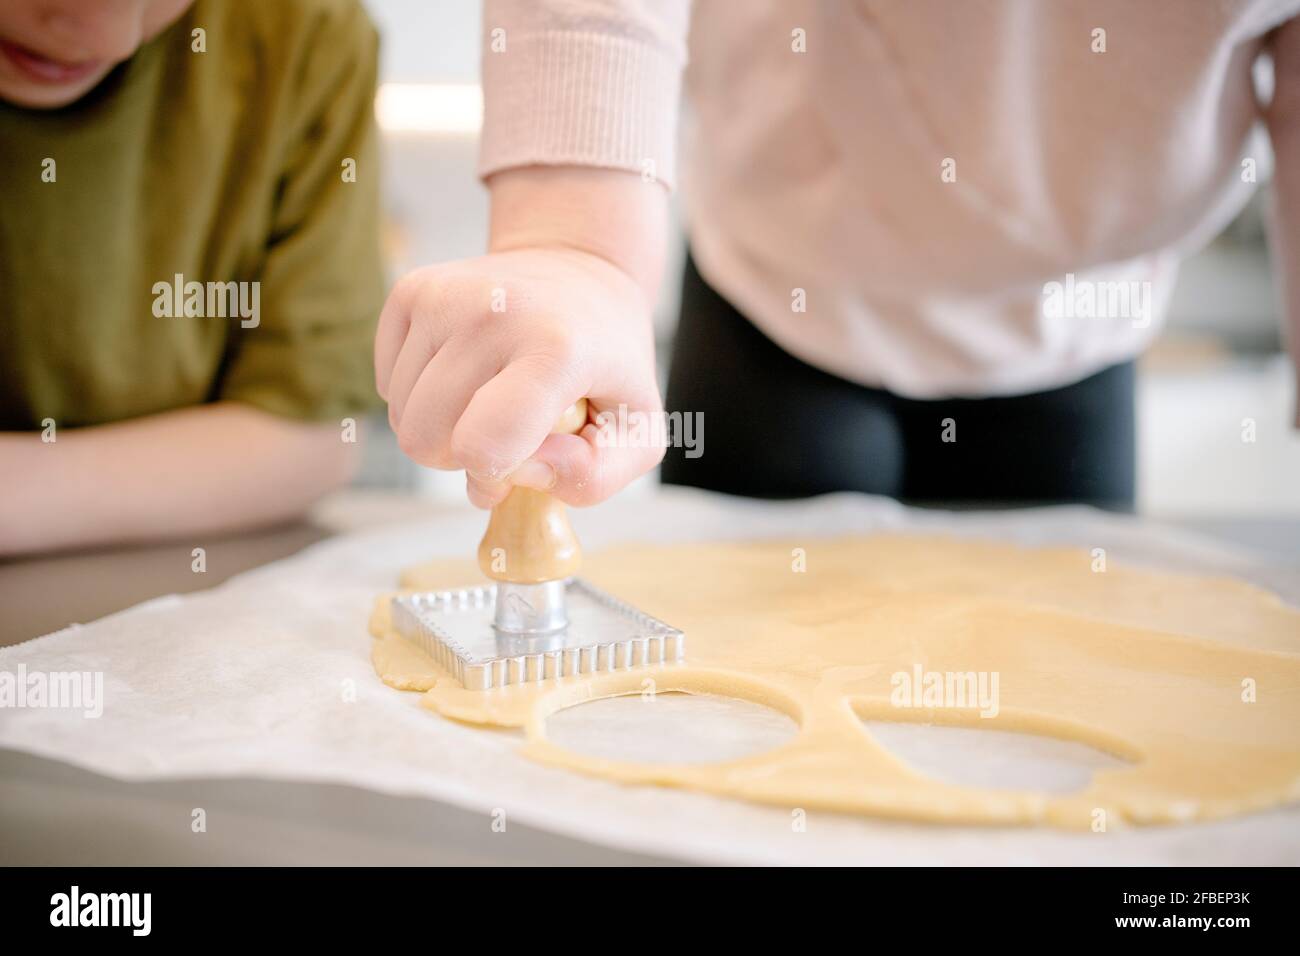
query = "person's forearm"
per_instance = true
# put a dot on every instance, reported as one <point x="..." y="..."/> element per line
<point x="615" y="215"/>
<point x="212" y="468"/>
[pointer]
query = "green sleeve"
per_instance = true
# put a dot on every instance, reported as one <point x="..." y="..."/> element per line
<point x="322" y="281"/>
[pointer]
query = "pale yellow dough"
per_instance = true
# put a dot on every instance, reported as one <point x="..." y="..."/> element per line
<point x="1148" y="666"/>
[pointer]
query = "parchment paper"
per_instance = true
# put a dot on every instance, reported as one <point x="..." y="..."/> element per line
<point x="269" y="676"/>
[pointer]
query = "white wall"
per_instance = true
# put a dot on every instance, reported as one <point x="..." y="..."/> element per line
<point x="428" y="41"/>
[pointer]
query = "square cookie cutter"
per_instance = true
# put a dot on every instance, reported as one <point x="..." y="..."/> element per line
<point x="455" y="628"/>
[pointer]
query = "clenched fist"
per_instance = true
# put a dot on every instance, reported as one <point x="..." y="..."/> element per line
<point x="479" y="358"/>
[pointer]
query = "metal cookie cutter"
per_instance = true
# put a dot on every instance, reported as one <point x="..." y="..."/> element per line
<point x="538" y="621"/>
<point x="533" y="633"/>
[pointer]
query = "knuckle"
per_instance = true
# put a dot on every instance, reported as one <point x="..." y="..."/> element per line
<point x="406" y="292"/>
<point x="412" y="443"/>
<point x="558" y="343"/>
<point x="471" y="453"/>
<point x="428" y="448"/>
<point x="403" y="288"/>
<point x="440" y="457"/>
<point x="457" y="305"/>
<point x="437" y="299"/>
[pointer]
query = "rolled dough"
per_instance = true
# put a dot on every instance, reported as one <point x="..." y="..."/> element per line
<point x="1194" y="681"/>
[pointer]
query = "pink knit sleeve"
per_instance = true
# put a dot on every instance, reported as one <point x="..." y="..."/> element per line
<point x="582" y="82"/>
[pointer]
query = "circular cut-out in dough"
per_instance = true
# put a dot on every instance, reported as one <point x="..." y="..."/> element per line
<point x="971" y="756"/>
<point x="672" y="728"/>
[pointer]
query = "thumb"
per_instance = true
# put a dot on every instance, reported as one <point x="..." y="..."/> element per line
<point x="583" y="469"/>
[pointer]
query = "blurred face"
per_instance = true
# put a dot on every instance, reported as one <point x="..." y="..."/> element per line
<point x="53" y="52"/>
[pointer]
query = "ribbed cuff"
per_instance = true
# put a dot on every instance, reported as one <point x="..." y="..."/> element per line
<point x="585" y="99"/>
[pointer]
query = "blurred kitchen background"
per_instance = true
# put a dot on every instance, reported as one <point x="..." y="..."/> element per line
<point x="1219" y="362"/>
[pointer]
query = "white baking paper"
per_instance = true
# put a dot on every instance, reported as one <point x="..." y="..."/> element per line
<point x="269" y="676"/>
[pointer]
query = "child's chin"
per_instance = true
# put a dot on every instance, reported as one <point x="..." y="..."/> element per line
<point x="45" y="96"/>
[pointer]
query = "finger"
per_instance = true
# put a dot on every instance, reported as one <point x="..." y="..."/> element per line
<point x="390" y="334"/>
<point x="585" y="470"/>
<point x="510" y="416"/>
<point x="485" y="493"/>
<point x="421" y="345"/>
<point x="427" y="415"/>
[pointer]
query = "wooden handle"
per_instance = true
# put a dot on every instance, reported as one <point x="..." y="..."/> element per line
<point x="528" y="538"/>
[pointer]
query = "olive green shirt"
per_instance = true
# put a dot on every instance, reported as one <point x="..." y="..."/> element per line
<point x="224" y="175"/>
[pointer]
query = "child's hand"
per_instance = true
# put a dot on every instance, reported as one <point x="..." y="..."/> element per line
<point x="479" y="358"/>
